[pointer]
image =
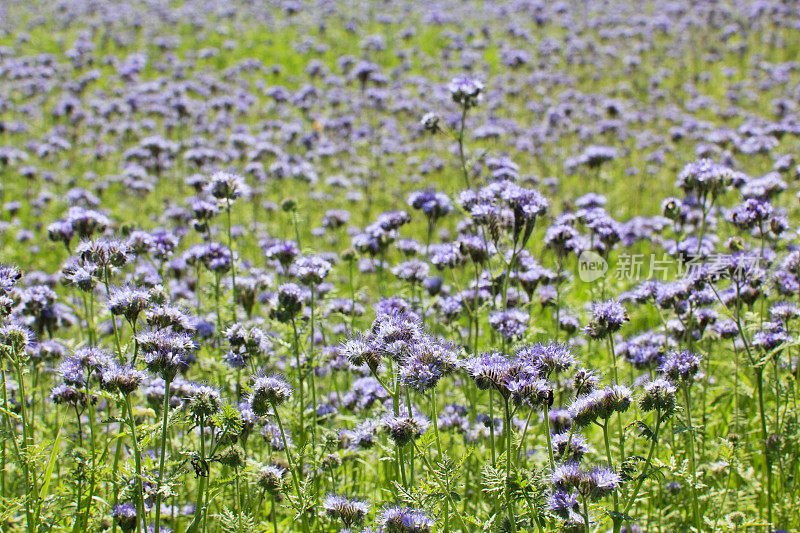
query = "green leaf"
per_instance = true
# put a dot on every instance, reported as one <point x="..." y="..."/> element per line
<point x="49" y="472"/>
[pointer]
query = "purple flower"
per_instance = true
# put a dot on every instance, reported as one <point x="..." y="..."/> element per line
<point x="658" y="394"/>
<point x="750" y="214"/>
<point x="271" y="477"/>
<point x="681" y="365"/>
<point x="578" y="446"/>
<point x="125" y="516"/>
<point x="404" y="429"/>
<point x="566" y="506"/>
<point x="165" y="351"/>
<point x="311" y="270"/>
<point x="349" y="512"/>
<point x="269" y="392"/>
<point x="511" y="323"/>
<point x="547" y="358"/>
<point x="228" y="187"/>
<point x="413" y="271"/>
<point x="594" y="156"/>
<point x="607" y="318"/>
<point x="128" y="302"/>
<point x="771" y="336"/>
<point x="466" y="91"/>
<point x="602" y="482"/>
<point x="704" y="177"/>
<point x="433" y="204"/>
<point x="282" y="251"/>
<point x="427" y="362"/>
<point x="124" y="379"/>
<point x="396" y="333"/>
<point x="400" y="519"/>
<point x="567" y="476"/>
<point x="288" y="302"/>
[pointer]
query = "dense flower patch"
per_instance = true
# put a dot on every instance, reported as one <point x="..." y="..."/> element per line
<point x="399" y="267"/>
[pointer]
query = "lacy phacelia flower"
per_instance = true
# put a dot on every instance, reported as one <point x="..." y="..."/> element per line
<point x="269" y="392"/>
<point x="681" y="365"/>
<point x="607" y="318"/>
<point x="400" y="519"/>
<point x="349" y="512"/>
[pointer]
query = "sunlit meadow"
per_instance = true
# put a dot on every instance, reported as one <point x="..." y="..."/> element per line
<point x="399" y="267"/>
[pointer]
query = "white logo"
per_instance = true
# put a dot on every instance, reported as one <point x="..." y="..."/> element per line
<point x="591" y="266"/>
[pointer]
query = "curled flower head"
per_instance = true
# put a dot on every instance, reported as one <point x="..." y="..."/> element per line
<point x="430" y="121"/>
<point x="568" y="476"/>
<point x="489" y="370"/>
<point x="125" y="516"/>
<point x="360" y="350"/>
<point x="565" y="505"/>
<point x="771" y="336"/>
<point x="311" y="270"/>
<point x="602" y="482"/>
<point x="404" y="429"/>
<point x="401" y="519"/>
<point x="681" y="365"/>
<point x="607" y="318"/>
<point x="433" y="204"/>
<point x="427" y="362"/>
<point x="228" y="186"/>
<point x="349" y="512"/>
<point x="289" y="302"/>
<point x="106" y="253"/>
<point x="552" y="357"/>
<point x="67" y="395"/>
<point x="752" y="213"/>
<point x="205" y="402"/>
<point x="466" y="91"/>
<point x="124" y="379"/>
<point x="578" y="446"/>
<point x="128" y="302"/>
<point x="269" y="391"/>
<point x="271" y="478"/>
<point x="526" y="388"/>
<point x="165" y="351"/>
<point x="599" y="404"/>
<point x="511" y="323"/>
<point x="413" y="271"/>
<point x="704" y="177"/>
<point x="659" y="395"/>
<point x="282" y="251"/>
<point x="16" y="338"/>
<point x="394" y="333"/>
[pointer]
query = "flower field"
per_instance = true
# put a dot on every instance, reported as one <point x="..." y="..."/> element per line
<point x="399" y="267"/>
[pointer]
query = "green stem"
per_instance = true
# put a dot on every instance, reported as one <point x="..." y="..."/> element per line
<point x="434" y="416"/>
<point x="510" y="502"/>
<point x="692" y="459"/>
<point x="238" y="499"/>
<point x="763" y="420"/>
<point x="22" y="458"/>
<point x="137" y="458"/>
<point x="291" y="468"/>
<point x="586" y="522"/>
<point x="461" y="155"/>
<point x="313" y="385"/>
<point x="165" y="414"/>
<point x="616" y="519"/>
<point x="300" y="380"/>
<point x="491" y="426"/>
<point x="641" y="479"/>
<point x="233" y="262"/>
<point x="549" y="441"/>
